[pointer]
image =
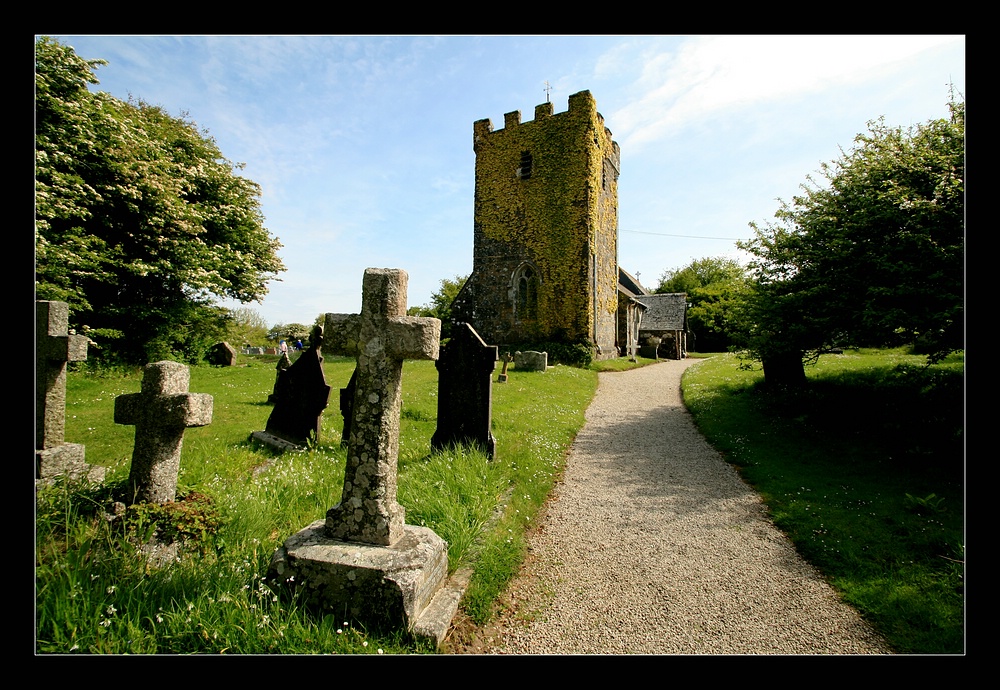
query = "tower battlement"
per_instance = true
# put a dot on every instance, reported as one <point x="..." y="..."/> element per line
<point x="545" y="261"/>
<point x="581" y="103"/>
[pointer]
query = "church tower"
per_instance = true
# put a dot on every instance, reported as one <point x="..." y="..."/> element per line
<point x="545" y="263"/>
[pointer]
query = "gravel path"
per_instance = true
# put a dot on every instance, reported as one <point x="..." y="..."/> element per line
<point x="652" y="544"/>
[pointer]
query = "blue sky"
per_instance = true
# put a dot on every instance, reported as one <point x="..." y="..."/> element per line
<point x="363" y="144"/>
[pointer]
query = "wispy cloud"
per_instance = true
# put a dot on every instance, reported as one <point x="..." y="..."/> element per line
<point x="716" y="75"/>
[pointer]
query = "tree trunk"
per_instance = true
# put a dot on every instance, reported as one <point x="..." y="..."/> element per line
<point x="784" y="369"/>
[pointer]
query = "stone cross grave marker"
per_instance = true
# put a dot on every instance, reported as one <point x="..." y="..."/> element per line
<point x="383" y="339"/>
<point x="160" y="412"/>
<point x="55" y="347"/>
<point x="465" y="391"/>
<point x="507" y="359"/>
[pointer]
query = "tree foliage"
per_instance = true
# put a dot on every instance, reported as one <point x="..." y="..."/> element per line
<point x="140" y="220"/>
<point x="713" y="286"/>
<point x="246" y="327"/>
<point x="440" y="304"/>
<point x="873" y="256"/>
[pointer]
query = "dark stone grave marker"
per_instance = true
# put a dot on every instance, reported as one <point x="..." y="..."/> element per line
<point x="465" y="391"/>
<point x="300" y="396"/>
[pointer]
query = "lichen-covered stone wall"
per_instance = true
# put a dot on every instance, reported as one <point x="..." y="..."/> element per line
<point x="545" y="262"/>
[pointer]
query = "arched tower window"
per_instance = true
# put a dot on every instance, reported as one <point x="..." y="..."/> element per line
<point x="526" y="293"/>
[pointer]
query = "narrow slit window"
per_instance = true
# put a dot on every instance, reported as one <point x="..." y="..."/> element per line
<point x="524" y="172"/>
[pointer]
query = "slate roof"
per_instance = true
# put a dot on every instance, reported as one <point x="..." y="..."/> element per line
<point x="665" y="312"/>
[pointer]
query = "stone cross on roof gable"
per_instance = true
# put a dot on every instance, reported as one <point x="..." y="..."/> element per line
<point x="160" y="413"/>
<point x="381" y="337"/>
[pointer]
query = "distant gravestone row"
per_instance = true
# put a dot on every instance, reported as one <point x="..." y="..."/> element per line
<point x="361" y="559"/>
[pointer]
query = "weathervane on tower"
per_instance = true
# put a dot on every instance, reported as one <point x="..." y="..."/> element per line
<point x="548" y="89"/>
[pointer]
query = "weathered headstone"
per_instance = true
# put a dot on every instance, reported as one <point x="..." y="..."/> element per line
<point x="531" y="360"/>
<point x="362" y="561"/>
<point x="347" y="406"/>
<point x="160" y="412"/>
<point x="650" y="347"/>
<point x="368" y="511"/>
<point x="507" y="359"/>
<point x="465" y="391"/>
<point x="301" y="395"/>
<point x="222" y="355"/>
<point x="280" y="379"/>
<point x="55" y="347"/>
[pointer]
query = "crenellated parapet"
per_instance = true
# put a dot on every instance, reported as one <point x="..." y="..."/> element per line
<point x="545" y="227"/>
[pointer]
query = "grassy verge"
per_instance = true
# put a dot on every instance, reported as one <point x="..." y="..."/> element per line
<point x="864" y="470"/>
<point x="95" y="593"/>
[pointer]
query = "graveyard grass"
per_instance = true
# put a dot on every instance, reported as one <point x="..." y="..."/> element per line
<point x="864" y="472"/>
<point x="95" y="594"/>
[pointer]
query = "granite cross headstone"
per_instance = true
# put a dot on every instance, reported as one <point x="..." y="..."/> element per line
<point x="160" y="413"/>
<point x="465" y="391"/>
<point x="55" y="347"/>
<point x="507" y="359"/>
<point x="385" y="337"/>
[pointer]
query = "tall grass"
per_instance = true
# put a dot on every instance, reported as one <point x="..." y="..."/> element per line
<point x="864" y="470"/>
<point x="97" y="593"/>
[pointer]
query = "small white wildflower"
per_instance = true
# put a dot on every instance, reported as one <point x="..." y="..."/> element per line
<point x="111" y="589"/>
<point x="76" y="647"/>
<point x="339" y="631"/>
<point x="111" y="610"/>
<point x="365" y="643"/>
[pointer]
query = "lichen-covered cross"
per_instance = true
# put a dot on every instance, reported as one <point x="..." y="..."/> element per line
<point x="55" y="346"/>
<point x="381" y="338"/>
<point x="160" y="413"/>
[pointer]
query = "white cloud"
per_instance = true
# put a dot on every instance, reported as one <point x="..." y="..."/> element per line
<point x="713" y="75"/>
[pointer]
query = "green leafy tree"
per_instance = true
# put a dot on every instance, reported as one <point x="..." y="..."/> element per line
<point x="872" y="257"/>
<point x="246" y="327"/>
<point x="289" y="332"/>
<point x="140" y="221"/>
<point x="713" y="286"/>
<point x="440" y="304"/>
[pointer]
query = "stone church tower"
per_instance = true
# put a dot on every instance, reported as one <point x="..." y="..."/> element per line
<point x="545" y="264"/>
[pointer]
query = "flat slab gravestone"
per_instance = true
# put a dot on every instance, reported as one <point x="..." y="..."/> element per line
<point x="363" y="561"/>
<point x="531" y="360"/>
<point x="465" y="392"/>
<point x="160" y="412"/>
<point x="55" y="347"/>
